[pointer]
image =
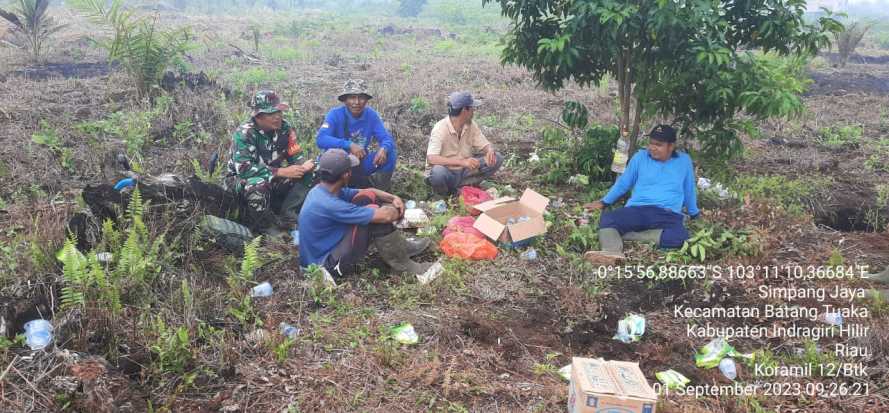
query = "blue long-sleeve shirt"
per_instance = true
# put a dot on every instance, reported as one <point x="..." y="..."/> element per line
<point x="667" y="184"/>
<point x="340" y="130"/>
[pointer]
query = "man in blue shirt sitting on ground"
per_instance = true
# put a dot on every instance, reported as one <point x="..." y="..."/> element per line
<point x="663" y="182"/>
<point x="337" y="224"/>
<point x="357" y="129"/>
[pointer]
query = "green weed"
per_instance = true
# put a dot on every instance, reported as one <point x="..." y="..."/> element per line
<point x="172" y="346"/>
<point x="47" y="137"/>
<point x="840" y="137"/>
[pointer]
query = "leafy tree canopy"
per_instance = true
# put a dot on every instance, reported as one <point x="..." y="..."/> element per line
<point x="689" y="60"/>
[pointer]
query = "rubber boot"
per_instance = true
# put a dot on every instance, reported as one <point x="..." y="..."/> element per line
<point x="416" y="246"/>
<point x="612" y="248"/>
<point x="650" y="235"/>
<point x="393" y="249"/>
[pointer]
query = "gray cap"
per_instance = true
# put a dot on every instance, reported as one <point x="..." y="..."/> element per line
<point x="336" y="162"/>
<point x="460" y="100"/>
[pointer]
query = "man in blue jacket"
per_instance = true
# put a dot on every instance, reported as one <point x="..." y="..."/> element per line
<point x="663" y="183"/>
<point x="357" y="129"/>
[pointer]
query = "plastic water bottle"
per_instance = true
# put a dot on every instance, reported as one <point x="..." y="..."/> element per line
<point x="530" y="255"/>
<point x="38" y="334"/>
<point x="440" y="207"/>
<point x="288" y="330"/>
<point x="728" y="368"/>
<point x="262" y="290"/>
<point x="621" y="153"/>
<point x="410" y="204"/>
<point x="295" y="235"/>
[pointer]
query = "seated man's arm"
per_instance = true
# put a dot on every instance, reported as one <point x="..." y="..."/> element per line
<point x="482" y="145"/>
<point x="385" y="215"/>
<point x="327" y="135"/>
<point x="295" y="154"/>
<point x="379" y="130"/>
<point x="433" y="152"/>
<point x="625" y="182"/>
<point x="246" y="159"/>
<point x="689" y="187"/>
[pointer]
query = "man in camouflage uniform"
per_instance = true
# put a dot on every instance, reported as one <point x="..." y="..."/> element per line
<point x="266" y="167"/>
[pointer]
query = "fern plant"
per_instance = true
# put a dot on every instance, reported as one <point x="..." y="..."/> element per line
<point x="137" y="43"/>
<point x="32" y="22"/>
<point x="75" y="274"/>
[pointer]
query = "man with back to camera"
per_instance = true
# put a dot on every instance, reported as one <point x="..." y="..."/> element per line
<point x="458" y="152"/>
<point x="357" y="129"/>
<point x="663" y="183"/>
<point x="337" y="223"/>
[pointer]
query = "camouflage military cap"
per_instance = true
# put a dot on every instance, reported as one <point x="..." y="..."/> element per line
<point x="354" y="87"/>
<point x="267" y="101"/>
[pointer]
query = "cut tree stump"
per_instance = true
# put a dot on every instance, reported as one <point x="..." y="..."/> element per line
<point x="106" y="203"/>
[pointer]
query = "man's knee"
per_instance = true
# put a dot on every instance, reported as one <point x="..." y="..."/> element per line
<point x="608" y="220"/>
<point x="497" y="163"/>
<point x="258" y="198"/>
<point x="438" y="179"/>
<point x="673" y="237"/>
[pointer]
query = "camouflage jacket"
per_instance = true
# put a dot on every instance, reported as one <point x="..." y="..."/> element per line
<point x="256" y="155"/>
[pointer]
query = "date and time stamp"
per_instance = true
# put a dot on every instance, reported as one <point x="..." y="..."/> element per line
<point x="797" y="303"/>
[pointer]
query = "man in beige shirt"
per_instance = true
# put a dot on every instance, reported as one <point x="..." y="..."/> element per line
<point x="458" y="153"/>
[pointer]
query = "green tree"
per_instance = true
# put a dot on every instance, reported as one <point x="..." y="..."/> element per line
<point x="31" y="22"/>
<point x="410" y="8"/>
<point x="689" y="60"/>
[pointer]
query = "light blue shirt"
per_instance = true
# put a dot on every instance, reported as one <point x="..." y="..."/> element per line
<point x="668" y="184"/>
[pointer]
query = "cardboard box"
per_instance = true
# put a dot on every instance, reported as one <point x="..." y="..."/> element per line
<point x="599" y="386"/>
<point x="494" y="220"/>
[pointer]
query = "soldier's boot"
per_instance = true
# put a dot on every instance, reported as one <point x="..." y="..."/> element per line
<point x="393" y="249"/>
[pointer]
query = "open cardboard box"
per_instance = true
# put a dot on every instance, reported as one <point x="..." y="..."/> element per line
<point x="496" y="213"/>
<point x="605" y="386"/>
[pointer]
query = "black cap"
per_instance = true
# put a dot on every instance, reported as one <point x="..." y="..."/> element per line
<point x="663" y="133"/>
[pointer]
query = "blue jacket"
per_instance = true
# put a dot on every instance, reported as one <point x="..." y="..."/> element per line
<point x="340" y="130"/>
<point x="668" y="184"/>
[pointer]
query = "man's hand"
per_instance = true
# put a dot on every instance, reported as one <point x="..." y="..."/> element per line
<point x="381" y="158"/>
<point x="399" y="204"/>
<point x="392" y="213"/>
<point x="490" y="157"/>
<point x="292" y="171"/>
<point x="594" y="206"/>
<point x="357" y="150"/>
<point x="471" y="163"/>
<point x="308" y="166"/>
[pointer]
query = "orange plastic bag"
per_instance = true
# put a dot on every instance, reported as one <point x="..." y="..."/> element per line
<point x="474" y="196"/>
<point x="462" y="224"/>
<point x="467" y="246"/>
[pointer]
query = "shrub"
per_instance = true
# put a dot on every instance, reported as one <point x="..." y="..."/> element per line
<point x="840" y="137"/>
<point x="32" y="22"/>
<point x="578" y="148"/>
<point x="138" y="43"/>
<point x="847" y="40"/>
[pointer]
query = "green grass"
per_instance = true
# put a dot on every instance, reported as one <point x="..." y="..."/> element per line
<point x="792" y="194"/>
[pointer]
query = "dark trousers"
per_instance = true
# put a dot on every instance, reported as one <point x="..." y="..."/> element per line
<point x="445" y="181"/>
<point x="343" y="260"/>
<point x="274" y="205"/>
<point x="641" y="218"/>
<point x="381" y="180"/>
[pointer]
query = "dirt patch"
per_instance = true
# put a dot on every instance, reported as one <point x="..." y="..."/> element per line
<point x="861" y="59"/>
<point x="65" y="70"/>
<point x="841" y="83"/>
